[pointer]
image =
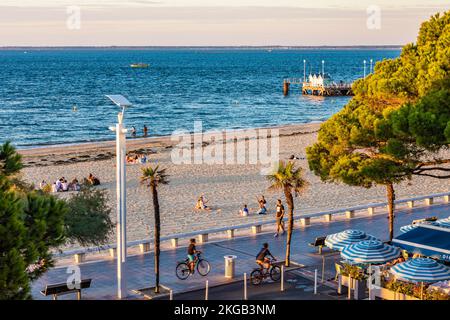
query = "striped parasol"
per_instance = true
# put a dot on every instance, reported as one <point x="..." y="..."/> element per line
<point x="421" y="270"/>
<point x="370" y="251"/>
<point x="342" y="239"/>
<point x="444" y="222"/>
<point x="410" y="227"/>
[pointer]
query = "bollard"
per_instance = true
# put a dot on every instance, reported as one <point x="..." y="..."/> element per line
<point x="144" y="247"/>
<point x="174" y="242"/>
<point x="245" y="285"/>
<point x="410" y="204"/>
<point x="349" y="296"/>
<point x="328" y="217"/>
<point x="80" y="257"/>
<point x="202" y="238"/>
<point x="323" y="269"/>
<point x="230" y="233"/>
<point x="315" y="281"/>
<point x="170" y="295"/>
<point x="112" y="252"/>
<point x="429" y="201"/>
<point x="305" y="221"/>
<point x="229" y="266"/>
<point x="447" y="199"/>
<point x="369" y="282"/>
<point x="371" y="211"/>
<point x="339" y="284"/>
<point x="256" y="229"/>
<point x="350" y="214"/>
<point x="282" y="277"/>
<point x="206" y="290"/>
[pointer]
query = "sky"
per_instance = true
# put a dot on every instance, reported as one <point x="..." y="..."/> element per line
<point x="213" y="22"/>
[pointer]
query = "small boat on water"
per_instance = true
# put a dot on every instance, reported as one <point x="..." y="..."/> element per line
<point x="139" y="65"/>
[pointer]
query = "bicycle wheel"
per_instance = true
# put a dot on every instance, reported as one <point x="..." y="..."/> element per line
<point x="203" y="267"/>
<point x="256" y="277"/>
<point x="275" y="273"/>
<point x="182" y="271"/>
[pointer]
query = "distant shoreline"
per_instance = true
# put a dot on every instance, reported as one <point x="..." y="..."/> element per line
<point x="361" y="47"/>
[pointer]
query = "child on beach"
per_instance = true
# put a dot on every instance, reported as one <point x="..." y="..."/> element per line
<point x="244" y="211"/>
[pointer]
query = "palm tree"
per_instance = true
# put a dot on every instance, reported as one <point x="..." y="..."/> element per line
<point x="153" y="177"/>
<point x="290" y="180"/>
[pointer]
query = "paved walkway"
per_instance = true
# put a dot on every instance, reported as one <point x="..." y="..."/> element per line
<point x="140" y="267"/>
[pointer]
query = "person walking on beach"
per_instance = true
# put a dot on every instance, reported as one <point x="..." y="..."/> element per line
<point x="262" y="205"/>
<point x="279" y="217"/>
<point x="145" y="130"/>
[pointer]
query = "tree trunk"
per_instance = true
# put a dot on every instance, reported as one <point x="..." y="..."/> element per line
<point x="290" y="204"/>
<point x="391" y="197"/>
<point x="156" y="235"/>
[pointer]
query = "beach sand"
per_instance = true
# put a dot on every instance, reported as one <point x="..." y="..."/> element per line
<point x="227" y="187"/>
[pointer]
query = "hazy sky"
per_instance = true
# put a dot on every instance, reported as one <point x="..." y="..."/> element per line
<point x="212" y="22"/>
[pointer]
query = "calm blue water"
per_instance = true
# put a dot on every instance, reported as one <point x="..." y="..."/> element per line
<point x="223" y="88"/>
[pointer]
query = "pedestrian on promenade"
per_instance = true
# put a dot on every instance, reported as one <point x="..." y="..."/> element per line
<point x="279" y="217"/>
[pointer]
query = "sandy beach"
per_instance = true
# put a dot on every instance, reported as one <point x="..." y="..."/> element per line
<point x="227" y="187"/>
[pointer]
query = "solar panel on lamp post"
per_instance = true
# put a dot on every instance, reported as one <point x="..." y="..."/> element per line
<point x="121" y="249"/>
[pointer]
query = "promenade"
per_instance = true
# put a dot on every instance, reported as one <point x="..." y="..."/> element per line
<point x="140" y="267"/>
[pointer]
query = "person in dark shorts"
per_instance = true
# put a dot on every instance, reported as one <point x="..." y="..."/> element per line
<point x="192" y="255"/>
<point x="262" y="257"/>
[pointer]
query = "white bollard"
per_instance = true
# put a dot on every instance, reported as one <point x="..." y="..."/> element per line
<point x="171" y="295"/>
<point x="323" y="269"/>
<point x="315" y="281"/>
<point x="282" y="277"/>
<point x="206" y="290"/>
<point x="245" y="286"/>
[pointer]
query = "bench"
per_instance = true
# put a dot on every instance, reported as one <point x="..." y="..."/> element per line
<point x="61" y="288"/>
<point x="319" y="242"/>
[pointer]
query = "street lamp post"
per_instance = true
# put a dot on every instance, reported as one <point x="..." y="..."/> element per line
<point x="121" y="250"/>
<point x="304" y="70"/>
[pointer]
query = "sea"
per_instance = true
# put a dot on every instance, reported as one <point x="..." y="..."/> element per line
<point x="224" y="88"/>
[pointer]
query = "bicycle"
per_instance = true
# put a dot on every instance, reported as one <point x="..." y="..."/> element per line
<point x="183" y="271"/>
<point x="258" y="274"/>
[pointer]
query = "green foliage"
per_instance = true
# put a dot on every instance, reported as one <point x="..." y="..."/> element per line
<point x="88" y="220"/>
<point x="31" y="223"/>
<point x="398" y="114"/>
<point x="286" y="176"/>
<point x="10" y="160"/>
<point x="353" y="271"/>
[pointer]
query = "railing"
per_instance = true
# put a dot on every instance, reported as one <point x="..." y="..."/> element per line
<point x="256" y="227"/>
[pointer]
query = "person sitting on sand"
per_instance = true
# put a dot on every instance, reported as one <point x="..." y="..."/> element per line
<point x="244" y="211"/>
<point x="54" y="188"/>
<point x="262" y="205"/>
<point x="64" y="185"/>
<point x="93" y="180"/>
<point x="42" y="184"/>
<point x="201" y="204"/>
<point x="74" y="185"/>
<point x="58" y="185"/>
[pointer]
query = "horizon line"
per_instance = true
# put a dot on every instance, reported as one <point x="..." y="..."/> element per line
<point x="203" y="47"/>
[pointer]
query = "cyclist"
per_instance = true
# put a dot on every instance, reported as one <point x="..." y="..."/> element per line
<point x="192" y="255"/>
<point x="261" y="259"/>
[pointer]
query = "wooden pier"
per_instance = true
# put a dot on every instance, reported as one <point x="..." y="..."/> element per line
<point x="308" y="88"/>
